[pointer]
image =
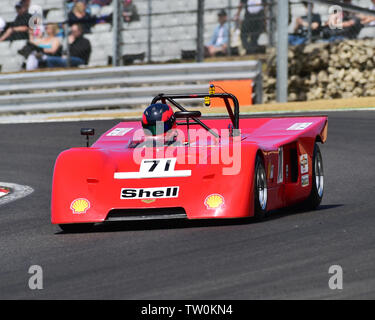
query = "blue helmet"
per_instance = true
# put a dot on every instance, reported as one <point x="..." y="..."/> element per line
<point x="158" y="112"/>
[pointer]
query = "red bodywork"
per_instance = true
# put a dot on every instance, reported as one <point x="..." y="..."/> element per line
<point x="89" y="173"/>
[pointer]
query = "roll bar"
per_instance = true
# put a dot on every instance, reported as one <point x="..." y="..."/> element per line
<point x="234" y="114"/>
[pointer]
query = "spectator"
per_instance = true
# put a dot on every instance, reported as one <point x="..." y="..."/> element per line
<point x="48" y="46"/>
<point x="19" y="29"/>
<point x="220" y="38"/>
<point x="2" y="25"/>
<point x="130" y="12"/>
<point x="342" y="25"/>
<point x="79" y="49"/>
<point x="301" y="28"/>
<point x="79" y="15"/>
<point x="26" y="3"/>
<point x="253" y="25"/>
<point x="101" y="3"/>
<point x="369" y="20"/>
<point x="71" y="3"/>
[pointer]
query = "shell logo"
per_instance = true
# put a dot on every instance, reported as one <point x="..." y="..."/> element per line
<point x="214" y="201"/>
<point x="79" y="206"/>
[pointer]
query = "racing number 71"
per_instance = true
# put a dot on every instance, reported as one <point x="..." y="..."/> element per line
<point x="160" y="165"/>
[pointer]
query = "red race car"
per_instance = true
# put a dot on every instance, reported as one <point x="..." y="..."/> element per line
<point x="178" y="165"/>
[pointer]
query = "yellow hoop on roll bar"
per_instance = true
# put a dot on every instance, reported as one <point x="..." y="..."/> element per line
<point x="207" y="101"/>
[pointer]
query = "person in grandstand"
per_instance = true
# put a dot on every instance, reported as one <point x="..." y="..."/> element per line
<point x="19" y="29"/>
<point x="2" y="25"/>
<point x="342" y="25"/>
<point x="220" y="38"/>
<point x="301" y="26"/>
<point x="48" y="44"/>
<point x="130" y="11"/>
<point x="369" y="20"/>
<point x="100" y="3"/>
<point x="71" y="3"/>
<point x="79" y="49"/>
<point x="253" y="25"/>
<point x="79" y="15"/>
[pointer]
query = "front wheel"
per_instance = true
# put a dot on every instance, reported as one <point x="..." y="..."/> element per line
<point x="317" y="189"/>
<point x="260" y="190"/>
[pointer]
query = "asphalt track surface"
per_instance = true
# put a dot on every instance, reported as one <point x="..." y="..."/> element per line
<point x="285" y="257"/>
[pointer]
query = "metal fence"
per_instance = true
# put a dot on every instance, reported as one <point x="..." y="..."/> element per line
<point x="185" y="30"/>
<point x="123" y="32"/>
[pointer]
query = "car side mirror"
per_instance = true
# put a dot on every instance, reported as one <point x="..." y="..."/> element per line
<point x="87" y="132"/>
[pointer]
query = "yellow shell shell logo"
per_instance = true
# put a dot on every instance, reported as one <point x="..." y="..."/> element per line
<point x="214" y="201"/>
<point x="80" y="206"/>
<point x="148" y="201"/>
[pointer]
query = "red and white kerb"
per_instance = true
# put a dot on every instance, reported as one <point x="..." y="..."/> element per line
<point x="3" y="192"/>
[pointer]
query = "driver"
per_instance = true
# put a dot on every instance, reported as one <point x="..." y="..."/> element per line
<point x="159" y="122"/>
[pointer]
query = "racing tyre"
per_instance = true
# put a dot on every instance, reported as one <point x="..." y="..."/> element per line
<point x="260" y="190"/>
<point x="76" y="228"/>
<point x="317" y="190"/>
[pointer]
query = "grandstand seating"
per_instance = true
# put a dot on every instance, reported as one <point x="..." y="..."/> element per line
<point x="171" y="32"/>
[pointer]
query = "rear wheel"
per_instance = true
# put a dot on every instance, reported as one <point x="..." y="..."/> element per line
<point x="260" y="190"/>
<point x="76" y="228"/>
<point x="317" y="190"/>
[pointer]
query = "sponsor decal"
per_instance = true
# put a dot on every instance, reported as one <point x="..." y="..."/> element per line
<point x="304" y="160"/>
<point x="305" y="180"/>
<point x="300" y="126"/>
<point x="148" y="201"/>
<point x="80" y="206"/>
<point x="150" y="193"/>
<point x="214" y="201"/>
<point x="280" y="169"/>
<point x="155" y="168"/>
<point x="119" y="132"/>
